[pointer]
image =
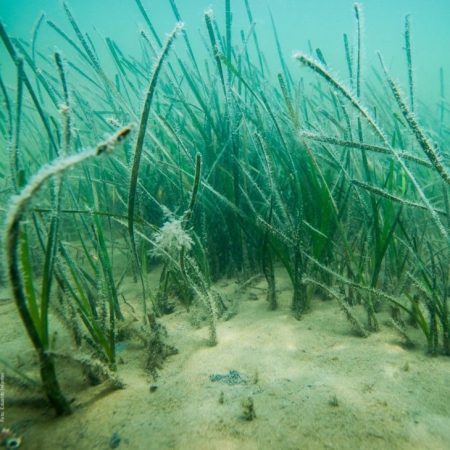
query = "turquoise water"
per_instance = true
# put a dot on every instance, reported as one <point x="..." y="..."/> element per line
<point x="298" y="23"/>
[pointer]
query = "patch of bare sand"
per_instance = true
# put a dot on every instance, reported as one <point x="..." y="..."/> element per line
<point x="314" y="386"/>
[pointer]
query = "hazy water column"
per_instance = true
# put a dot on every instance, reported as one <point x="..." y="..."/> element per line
<point x="298" y="21"/>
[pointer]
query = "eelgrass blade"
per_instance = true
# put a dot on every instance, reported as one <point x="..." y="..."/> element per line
<point x="284" y="68"/>
<point x="8" y="108"/>
<point x="40" y="76"/>
<point x="409" y="60"/>
<point x="65" y="107"/>
<point x="27" y="273"/>
<point x="177" y="14"/>
<point x="348" y="58"/>
<point x="16" y="173"/>
<point x="13" y="54"/>
<point x="228" y="31"/>
<point x="139" y="144"/>
<point x="47" y="275"/>
<point x="358" y="15"/>
<point x="308" y="61"/>
<point x="255" y="37"/>
<point x="427" y="147"/>
<point x="339" y="87"/>
<point x="149" y="22"/>
<point x="364" y="146"/>
<point x="215" y="48"/>
<point x="12" y="235"/>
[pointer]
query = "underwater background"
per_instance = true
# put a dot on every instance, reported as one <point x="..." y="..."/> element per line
<point x="298" y="21"/>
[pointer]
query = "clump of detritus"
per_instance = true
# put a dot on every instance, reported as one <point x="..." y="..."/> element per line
<point x="171" y="238"/>
<point x="158" y="350"/>
<point x="172" y="243"/>
<point x="248" y="409"/>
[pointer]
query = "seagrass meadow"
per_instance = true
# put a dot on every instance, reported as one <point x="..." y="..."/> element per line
<point x="217" y="234"/>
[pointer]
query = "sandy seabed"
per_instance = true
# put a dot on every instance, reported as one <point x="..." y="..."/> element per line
<point x="314" y="385"/>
